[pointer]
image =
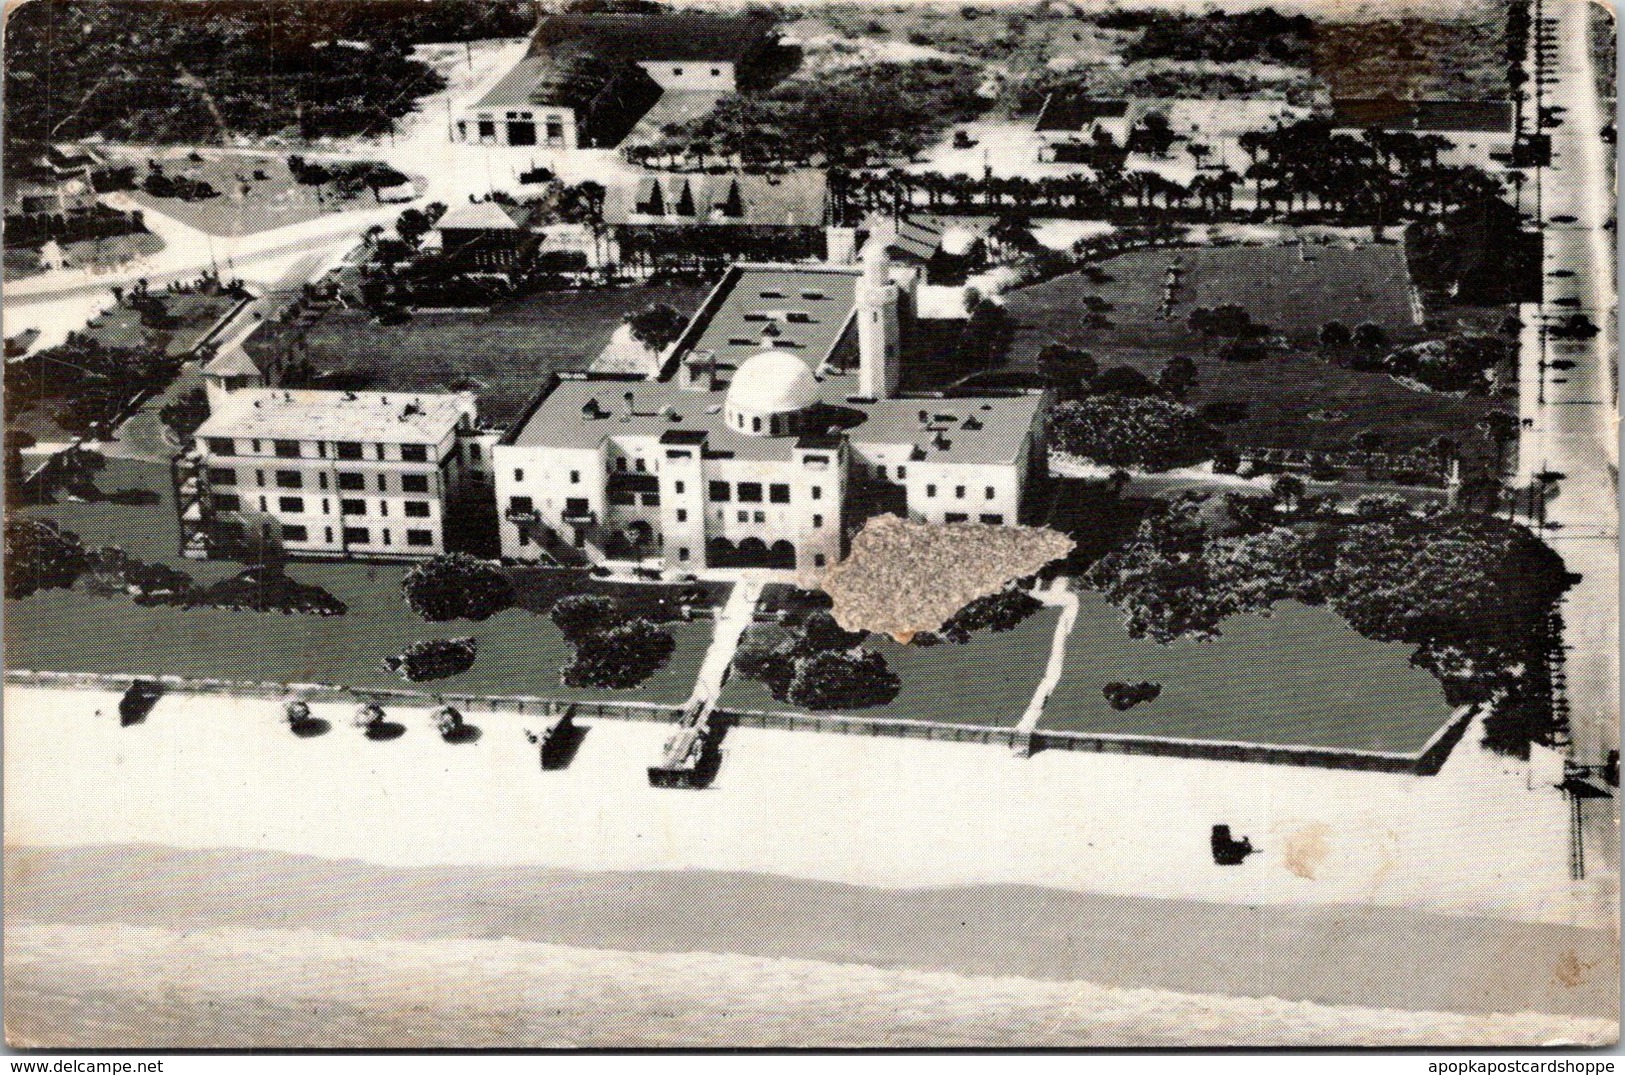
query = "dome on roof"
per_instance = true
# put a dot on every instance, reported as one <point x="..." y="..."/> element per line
<point x="771" y="383"/>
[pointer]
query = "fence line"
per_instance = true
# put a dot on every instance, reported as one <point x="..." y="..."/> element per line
<point x="1426" y="762"/>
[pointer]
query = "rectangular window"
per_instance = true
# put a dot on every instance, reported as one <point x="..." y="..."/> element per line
<point x="515" y="503"/>
<point x="222" y="476"/>
<point x="720" y="492"/>
<point x="682" y="553"/>
<point x="263" y="508"/>
<point x="959" y="492"/>
<point x="576" y="505"/>
<point x="415" y="453"/>
<point x="682" y="515"/>
<point x="778" y="493"/>
<point x="818" y="492"/>
<point x="750" y="492"/>
<point x="991" y="492"/>
<point x="420" y="537"/>
<point x="620" y="464"/>
<point x="352" y="507"/>
<point x="575" y="476"/>
<point x="227" y="502"/>
<point x="417" y="509"/>
<point x="678" y="487"/>
<point x="259" y="478"/>
<point x="518" y="474"/>
<point x="651" y="500"/>
<point x="880" y="471"/>
<point x="287" y="449"/>
<point x="222" y="446"/>
<point x="956" y="517"/>
<point x="378" y="450"/>
<point x="383" y="507"/>
<point x="325" y="505"/>
<point x="760" y="516"/>
<point x="473" y="453"/>
<point x="524" y="537"/>
<point x="640" y="466"/>
<point x="354" y="482"/>
<point x="930" y="490"/>
<point x="293" y="505"/>
<point x="349" y="449"/>
<point x="386" y="537"/>
<point x="902" y="472"/>
<point x="818" y="521"/>
<point x="357" y="535"/>
<point x="623" y="498"/>
<point x="321" y="479"/>
<point x="744" y="516"/>
<point x="993" y="518"/>
<point x="295" y="533"/>
<point x="289" y="479"/>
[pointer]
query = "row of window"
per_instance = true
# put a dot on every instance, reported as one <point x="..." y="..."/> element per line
<point x="295" y="505"/>
<point x="991" y="518"/>
<point x="751" y="492"/>
<point x="749" y="517"/>
<point x="990" y="493"/>
<point x="357" y="535"/>
<point x="291" y="449"/>
<point x="348" y="480"/>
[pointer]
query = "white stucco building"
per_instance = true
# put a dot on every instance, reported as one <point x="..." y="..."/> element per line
<point x="776" y="430"/>
<point x="328" y="474"/>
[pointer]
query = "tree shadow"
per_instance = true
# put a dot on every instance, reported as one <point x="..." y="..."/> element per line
<point x="310" y="727"/>
<point x="463" y="733"/>
<point x="385" y="730"/>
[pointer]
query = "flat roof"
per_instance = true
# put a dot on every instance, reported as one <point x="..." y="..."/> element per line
<point x="664" y="412"/>
<point x="802" y="309"/>
<point x="317" y="414"/>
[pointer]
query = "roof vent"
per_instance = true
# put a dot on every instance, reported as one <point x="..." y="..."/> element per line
<point x="971" y="422"/>
<point x="940" y="442"/>
<point x="669" y="413"/>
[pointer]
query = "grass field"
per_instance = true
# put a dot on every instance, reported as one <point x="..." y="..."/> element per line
<point x="520" y="653"/>
<point x="503" y="355"/>
<point x="988" y="680"/>
<point x="1281" y="392"/>
<point x="273" y="202"/>
<point x="1301" y="677"/>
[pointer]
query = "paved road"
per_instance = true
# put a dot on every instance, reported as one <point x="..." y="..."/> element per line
<point x="1570" y="413"/>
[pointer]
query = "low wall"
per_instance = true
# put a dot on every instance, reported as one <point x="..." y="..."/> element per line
<point x="1426" y="762"/>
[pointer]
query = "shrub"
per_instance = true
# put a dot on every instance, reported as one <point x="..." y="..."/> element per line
<point x="580" y="615"/>
<point x="1124" y="696"/>
<point x="39" y="556"/>
<point x="854" y="679"/>
<point x="821" y="633"/>
<point x="259" y="589"/>
<point x="621" y="657"/>
<point x="186" y="412"/>
<point x="1151" y="434"/>
<point x="435" y="658"/>
<point x="456" y="586"/>
<point x="1001" y="611"/>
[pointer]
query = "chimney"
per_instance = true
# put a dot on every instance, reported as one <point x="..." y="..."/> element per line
<point x="626" y="415"/>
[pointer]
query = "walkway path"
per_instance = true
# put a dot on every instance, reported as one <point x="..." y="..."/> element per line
<point x="731" y="623"/>
<point x="1058" y="593"/>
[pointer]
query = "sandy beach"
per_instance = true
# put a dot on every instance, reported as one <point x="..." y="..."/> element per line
<point x="835" y="857"/>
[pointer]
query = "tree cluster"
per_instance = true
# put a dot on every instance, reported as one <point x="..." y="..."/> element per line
<point x="434" y="658"/>
<point x="1259" y="34"/>
<point x="1144" y="432"/>
<point x="821" y="666"/>
<point x="613" y="651"/>
<point x="848" y="117"/>
<point x="1460" y="363"/>
<point x="457" y="586"/>
<point x="91" y="381"/>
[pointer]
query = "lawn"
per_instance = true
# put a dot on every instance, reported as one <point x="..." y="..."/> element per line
<point x="1294" y="399"/>
<point x="520" y="652"/>
<point x="1301" y="677"/>
<point x="503" y="354"/>
<point x="273" y="202"/>
<point x="987" y="681"/>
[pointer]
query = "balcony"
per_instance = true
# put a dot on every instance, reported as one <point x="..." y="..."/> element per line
<point x="580" y="516"/>
<point x="523" y="516"/>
